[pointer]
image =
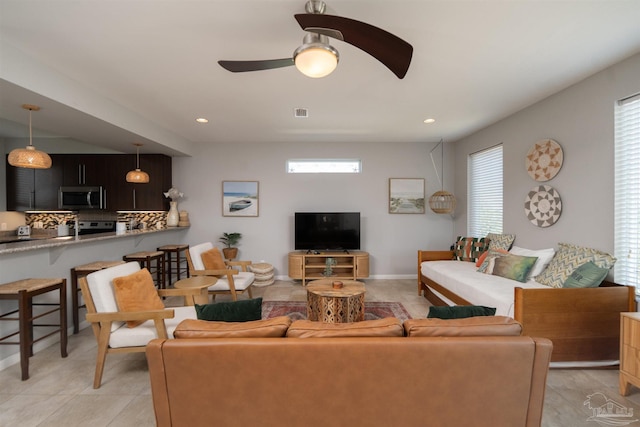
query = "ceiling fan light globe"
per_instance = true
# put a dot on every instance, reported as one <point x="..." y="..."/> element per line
<point x="316" y="60"/>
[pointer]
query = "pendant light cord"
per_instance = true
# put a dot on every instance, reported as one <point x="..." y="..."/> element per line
<point x="441" y="181"/>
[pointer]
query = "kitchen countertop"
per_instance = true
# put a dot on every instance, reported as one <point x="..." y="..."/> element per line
<point x="34" y="242"/>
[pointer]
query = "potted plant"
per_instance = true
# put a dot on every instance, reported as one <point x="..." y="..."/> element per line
<point x="230" y="240"/>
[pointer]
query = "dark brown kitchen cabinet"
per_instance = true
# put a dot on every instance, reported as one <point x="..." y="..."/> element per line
<point x="38" y="188"/>
<point x="123" y="195"/>
<point x="85" y="169"/>
<point x="30" y="189"/>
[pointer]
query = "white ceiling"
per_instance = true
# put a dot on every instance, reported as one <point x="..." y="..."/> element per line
<point x="112" y="72"/>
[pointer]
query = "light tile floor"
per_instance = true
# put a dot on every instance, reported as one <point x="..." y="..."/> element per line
<point x="59" y="391"/>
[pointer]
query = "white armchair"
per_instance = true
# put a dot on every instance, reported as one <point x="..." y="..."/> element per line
<point x="109" y="323"/>
<point x="230" y="280"/>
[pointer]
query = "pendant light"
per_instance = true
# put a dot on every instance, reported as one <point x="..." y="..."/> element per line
<point x="137" y="176"/>
<point x="29" y="157"/>
<point x="441" y="202"/>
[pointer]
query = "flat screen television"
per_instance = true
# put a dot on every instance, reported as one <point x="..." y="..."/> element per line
<point x="327" y="230"/>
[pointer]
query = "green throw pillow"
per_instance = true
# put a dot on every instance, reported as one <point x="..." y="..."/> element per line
<point x="588" y="275"/>
<point x="460" y="311"/>
<point x="232" y="311"/>
<point x="514" y="267"/>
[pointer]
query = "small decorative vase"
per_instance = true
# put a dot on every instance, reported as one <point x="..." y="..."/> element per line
<point x="328" y="269"/>
<point x="173" y="217"/>
<point x="184" y="219"/>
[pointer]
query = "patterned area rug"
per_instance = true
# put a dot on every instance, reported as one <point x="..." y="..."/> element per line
<point x="297" y="310"/>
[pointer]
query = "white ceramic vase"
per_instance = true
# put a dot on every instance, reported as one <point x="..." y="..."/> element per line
<point x="173" y="216"/>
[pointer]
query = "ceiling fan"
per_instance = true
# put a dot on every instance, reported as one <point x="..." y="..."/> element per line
<point x="317" y="58"/>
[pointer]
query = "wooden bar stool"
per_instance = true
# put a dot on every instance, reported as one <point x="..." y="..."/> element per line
<point x="180" y="261"/>
<point x="145" y="258"/>
<point x="78" y="272"/>
<point x="24" y="292"/>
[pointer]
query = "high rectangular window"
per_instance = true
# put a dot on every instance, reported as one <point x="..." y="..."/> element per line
<point x="324" y="166"/>
<point x="484" y="192"/>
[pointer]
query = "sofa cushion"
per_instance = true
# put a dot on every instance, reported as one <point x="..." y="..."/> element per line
<point x="101" y="288"/>
<point x="268" y="328"/>
<point x="460" y="311"/>
<point x="567" y="259"/>
<point x="514" y="267"/>
<point x="231" y="311"/>
<point x="544" y="258"/>
<point x="484" y="326"/>
<point x="213" y="260"/>
<point x="195" y="253"/>
<point x="469" y="248"/>
<point x="486" y="262"/>
<point x="588" y="275"/>
<point x="387" y="327"/>
<point x="136" y="292"/>
<point x="500" y="241"/>
<point x="142" y="334"/>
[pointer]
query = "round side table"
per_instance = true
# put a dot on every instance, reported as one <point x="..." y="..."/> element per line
<point x="196" y="282"/>
<point x="329" y="305"/>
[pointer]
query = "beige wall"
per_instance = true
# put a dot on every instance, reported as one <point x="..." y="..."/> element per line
<point x="581" y="119"/>
<point x="391" y="239"/>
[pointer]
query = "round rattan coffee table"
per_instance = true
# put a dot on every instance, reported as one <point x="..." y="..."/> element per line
<point x="330" y="305"/>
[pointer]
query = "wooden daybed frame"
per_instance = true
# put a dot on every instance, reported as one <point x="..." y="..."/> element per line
<point x="584" y="324"/>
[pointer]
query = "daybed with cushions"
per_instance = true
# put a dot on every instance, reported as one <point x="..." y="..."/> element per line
<point x="582" y="323"/>
<point x="475" y="371"/>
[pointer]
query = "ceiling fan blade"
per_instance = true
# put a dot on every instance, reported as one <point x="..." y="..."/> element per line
<point x="387" y="48"/>
<point x="266" y="64"/>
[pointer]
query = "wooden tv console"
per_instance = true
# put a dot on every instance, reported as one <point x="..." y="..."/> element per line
<point x="307" y="266"/>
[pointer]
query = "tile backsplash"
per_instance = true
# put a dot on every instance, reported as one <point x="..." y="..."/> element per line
<point x="50" y="220"/>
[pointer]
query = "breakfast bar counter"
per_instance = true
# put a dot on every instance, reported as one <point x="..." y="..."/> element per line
<point x="54" y="242"/>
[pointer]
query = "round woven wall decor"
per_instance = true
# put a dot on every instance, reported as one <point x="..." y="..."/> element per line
<point x="543" y="206"/>
<point x="544" y="160"/>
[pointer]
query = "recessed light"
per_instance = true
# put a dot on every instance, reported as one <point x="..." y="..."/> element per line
<point x="429" y="121"/>
<point x="202" y="120"/>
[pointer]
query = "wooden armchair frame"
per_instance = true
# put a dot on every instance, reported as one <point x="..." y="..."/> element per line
<point x="101" y="323"/>
<point x="229" y="272"/>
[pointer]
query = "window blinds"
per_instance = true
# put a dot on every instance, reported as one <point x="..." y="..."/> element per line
<point x="484" y="192"/>
<point x="627" y="191"/>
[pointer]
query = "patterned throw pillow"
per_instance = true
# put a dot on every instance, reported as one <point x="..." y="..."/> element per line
<point x="500" y="241"/>
<point x="514" y="267"/>
<point x="567" y="259"/>
<point x="469" y="248"/>
<point x="488" y="260"/>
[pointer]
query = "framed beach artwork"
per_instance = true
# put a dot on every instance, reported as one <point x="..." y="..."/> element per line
<point x="406" y="195"/>
<point x="240" y="198"/>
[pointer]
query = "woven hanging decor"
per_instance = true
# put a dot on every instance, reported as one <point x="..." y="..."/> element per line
<point x="442" y="202"/>
<point x="543" y="206"/>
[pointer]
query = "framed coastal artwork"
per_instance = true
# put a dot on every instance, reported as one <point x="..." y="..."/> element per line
<point x="240" y="198"/>
<point x="406" y="195"/>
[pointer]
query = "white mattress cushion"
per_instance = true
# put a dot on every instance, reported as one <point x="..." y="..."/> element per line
<point x="142" y="334"/>
<point x="461" y="278"/>
<point x="241" y="281"/>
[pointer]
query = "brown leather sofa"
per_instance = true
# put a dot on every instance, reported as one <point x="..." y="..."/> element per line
<point x="426" y="373"/>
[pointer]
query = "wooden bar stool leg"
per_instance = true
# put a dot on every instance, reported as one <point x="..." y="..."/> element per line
<point x="75" y="303"/>
<point x="24" y="319"/>
<point x="63" y="318"/>
<point x="167" y="254"/>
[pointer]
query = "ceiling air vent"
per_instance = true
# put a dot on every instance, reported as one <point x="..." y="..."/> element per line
<point x="301" y="113"/>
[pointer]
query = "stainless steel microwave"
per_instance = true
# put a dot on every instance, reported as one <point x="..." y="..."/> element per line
<point x="82" y="197"/>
